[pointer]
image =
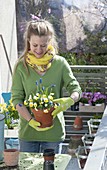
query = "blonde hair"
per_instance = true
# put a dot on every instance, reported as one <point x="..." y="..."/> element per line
<point x="40" y="28"/>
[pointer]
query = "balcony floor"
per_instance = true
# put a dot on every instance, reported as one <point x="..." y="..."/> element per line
<point x="73" y="164"/>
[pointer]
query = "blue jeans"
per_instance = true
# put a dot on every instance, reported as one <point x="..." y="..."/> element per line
<point x="38" y="147"/>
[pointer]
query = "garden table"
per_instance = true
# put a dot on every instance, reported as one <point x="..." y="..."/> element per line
<point x="34" y="161"/>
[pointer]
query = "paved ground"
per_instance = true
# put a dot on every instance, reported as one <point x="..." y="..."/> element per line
<point x="73" y="165"/>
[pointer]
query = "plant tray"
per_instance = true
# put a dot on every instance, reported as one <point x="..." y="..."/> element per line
<point x="91" y="108"/>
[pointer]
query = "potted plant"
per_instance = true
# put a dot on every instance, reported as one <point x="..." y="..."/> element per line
<point x="91" y="101"/>
<point x="41" y="104"/>
<point x="98" y="98"/>
<point x="11" y="114"/>
<point x="86" y="98"/>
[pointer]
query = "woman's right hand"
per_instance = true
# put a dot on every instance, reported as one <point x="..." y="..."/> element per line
<point x="34" y="124"/>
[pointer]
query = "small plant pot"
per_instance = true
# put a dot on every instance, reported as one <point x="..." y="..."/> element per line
<point x="11" y="157"/>
<point x="45" y="119"/>
<point x="78" y="124"/>
<point x="74" y="142"/>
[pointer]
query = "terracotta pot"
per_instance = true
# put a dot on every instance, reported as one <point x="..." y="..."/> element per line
<point x="11" y="157"/>
<point x="78" y="124"/>
<point x="46" y="119"/>
<point x="74" y="142"/>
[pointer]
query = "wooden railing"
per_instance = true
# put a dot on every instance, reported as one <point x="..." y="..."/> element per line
<point x="95" y="76"/>
<point x="91" y="77"/>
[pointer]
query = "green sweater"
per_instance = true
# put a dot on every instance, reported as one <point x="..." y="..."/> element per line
<point x="23" y="84"/>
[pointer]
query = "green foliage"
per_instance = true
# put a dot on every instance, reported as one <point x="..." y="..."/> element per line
<point x="85" y="58"/>
<point x="96" y="116"/>
<point x="11" y="114"/>
<point x="96" y="42"/>
<point x="73" y="58"/>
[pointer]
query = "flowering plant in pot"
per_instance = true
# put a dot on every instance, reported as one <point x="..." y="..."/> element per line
<point x="98" y="98"/>
<point x="92" y="98"/>
<point x="41" y="104"/>
<point x="86" y="98"/>
<point x="11" y="114"/>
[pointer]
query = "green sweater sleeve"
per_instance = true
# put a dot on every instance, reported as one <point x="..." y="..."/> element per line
<point x="70" y="82"/>
<point x="17" y="88"/>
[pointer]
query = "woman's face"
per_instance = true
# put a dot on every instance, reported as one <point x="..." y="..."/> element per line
<point x="38" y="45"/>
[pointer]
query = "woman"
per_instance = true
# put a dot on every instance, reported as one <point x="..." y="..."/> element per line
<point x="39" y="60"/>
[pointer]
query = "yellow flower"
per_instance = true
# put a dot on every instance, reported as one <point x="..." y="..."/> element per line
<point x="35" y="104"/>
<point x="46" y="111"/>
<point x="30" y="99"/>
<point x="5" y="109"/>
<point x="25" y="103"/>
<point x="52" y="94"/>
<point x="46" y="105"/>
<point x="36" y="97"/>
<point x="46" y="100"/>
<point x="13" y="109"/>
<point x="50" y="97"/>
<point x="31" y="104"/>
<point x="41" y="102"/>
<point x="37" y="94"/>
<point x="44" y="95"/>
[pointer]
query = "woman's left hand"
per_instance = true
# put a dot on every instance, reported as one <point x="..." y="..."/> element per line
<point x="64" y="104"/>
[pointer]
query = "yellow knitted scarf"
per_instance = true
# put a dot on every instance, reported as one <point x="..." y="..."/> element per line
<point x="41" y="64"/>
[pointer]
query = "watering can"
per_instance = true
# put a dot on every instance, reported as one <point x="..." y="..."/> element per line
<point x="2" y="117"/>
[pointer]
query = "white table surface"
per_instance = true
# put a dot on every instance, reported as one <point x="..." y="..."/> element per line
<point x="11" y="133"/>
<point x="34" y="161"/>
